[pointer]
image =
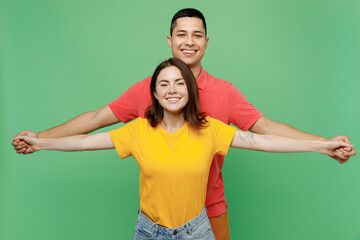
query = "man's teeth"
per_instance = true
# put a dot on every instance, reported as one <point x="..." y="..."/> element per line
<point x="186" y="51"/>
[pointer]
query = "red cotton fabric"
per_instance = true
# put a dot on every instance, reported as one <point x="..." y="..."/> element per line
<point x="218" y="99"/>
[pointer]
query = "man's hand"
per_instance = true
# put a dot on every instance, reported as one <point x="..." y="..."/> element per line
<point x="342" y="155"/>
<point x="21" y="146"/>
<point x="267" y="126"/>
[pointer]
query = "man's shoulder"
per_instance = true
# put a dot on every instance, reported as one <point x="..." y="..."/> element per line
<point x="213" y="81"/>
<point x="145" y="81"/>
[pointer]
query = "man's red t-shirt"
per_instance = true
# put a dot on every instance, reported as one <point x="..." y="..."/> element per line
<point x="218" y="99"/>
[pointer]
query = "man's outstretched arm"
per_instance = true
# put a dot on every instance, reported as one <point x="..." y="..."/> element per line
<point x="82" y="124"/>
<point x="267" y="126"/>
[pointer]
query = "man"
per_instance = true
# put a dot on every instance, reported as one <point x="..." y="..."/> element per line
<point x="188" y="41"/>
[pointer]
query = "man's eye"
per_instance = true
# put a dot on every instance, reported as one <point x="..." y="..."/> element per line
<point x="198" y="36"/>
<point x="181" y="35"/>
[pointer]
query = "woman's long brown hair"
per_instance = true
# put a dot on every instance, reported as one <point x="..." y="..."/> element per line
<point x="192" y="113"/>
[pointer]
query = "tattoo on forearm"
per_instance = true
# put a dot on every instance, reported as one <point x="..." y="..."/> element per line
<point x="247" y="136"/>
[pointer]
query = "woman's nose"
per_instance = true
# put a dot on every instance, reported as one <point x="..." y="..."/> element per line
<point x="173" y="89"/>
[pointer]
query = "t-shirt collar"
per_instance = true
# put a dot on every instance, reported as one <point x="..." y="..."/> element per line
<point x="201" y="80"/>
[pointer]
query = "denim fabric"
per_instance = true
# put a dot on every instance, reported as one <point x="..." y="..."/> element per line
<point x="198" y="228"/>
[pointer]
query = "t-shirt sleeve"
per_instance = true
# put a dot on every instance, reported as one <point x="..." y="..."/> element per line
<point x="132" y="103"/>
<point x="123" y="138"/>
<point x="242" y="113"/>
<point x="222" y="135"/>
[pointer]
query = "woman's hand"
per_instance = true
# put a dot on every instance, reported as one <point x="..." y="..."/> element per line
<point x="336" y="147"/>
<point x="31" y="144"/>
<point x="21" y="146"/>
<point x="96" y="141"/>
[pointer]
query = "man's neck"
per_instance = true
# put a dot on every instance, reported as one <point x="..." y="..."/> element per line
<point x="196" y="70"/>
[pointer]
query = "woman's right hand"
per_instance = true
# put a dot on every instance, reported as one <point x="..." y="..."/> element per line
<point x="31" y="144"/>
<point x="21" y="146"/>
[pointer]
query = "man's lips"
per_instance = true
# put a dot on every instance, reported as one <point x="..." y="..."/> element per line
<point x="188" y="52"/>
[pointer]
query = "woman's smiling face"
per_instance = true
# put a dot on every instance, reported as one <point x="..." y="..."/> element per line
<point x="171" y="90"/>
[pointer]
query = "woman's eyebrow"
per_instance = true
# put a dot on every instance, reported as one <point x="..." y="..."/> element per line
<point x="165" y="80"/>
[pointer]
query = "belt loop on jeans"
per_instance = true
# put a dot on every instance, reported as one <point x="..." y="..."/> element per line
<point x="188" y="229"/>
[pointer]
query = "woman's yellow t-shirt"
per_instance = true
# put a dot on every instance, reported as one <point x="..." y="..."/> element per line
<point x="174" y="167"/>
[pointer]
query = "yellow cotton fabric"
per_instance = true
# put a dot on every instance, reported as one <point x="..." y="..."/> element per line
<point x="174" y="167"/>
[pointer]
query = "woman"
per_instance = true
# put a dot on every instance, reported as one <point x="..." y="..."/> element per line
<point x="174" y="147"/>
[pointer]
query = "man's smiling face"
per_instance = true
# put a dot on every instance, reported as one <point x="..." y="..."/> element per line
<point x="188" y="41"/>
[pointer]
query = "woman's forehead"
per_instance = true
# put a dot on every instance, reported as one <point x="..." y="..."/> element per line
<point x="170" y="73"/>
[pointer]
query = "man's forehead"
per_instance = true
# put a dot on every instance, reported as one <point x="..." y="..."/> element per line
<point x="187" y="24"/>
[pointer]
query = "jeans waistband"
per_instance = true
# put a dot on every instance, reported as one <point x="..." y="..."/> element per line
<point x="187" y="227"/>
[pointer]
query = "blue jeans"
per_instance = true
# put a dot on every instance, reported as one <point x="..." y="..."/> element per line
<point x="198" y="228"/>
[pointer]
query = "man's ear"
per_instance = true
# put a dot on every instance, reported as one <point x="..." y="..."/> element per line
<point x="207" y="41"/>
<point x="168" y="38"/>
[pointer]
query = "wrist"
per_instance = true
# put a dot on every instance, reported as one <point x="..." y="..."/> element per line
<point x="322" y="147"/>
<point x="42" y="144"/>
<point x="323" y="139"/>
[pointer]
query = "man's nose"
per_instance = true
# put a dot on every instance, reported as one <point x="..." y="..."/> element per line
<point x="189" y="41"/>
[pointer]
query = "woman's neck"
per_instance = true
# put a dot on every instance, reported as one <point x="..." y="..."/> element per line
<point x="172" y="122"/>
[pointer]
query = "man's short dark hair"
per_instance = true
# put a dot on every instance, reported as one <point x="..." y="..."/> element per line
<point x="187" y="12"/>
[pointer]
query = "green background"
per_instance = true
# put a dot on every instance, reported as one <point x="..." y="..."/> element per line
<point x="296" y="61"/>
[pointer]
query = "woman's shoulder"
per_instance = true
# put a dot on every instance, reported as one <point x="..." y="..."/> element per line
<point x="212" y="121"/>
<point x="140" y="121"/>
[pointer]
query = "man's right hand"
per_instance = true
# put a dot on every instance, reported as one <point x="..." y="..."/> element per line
<point x="21" y="146"/>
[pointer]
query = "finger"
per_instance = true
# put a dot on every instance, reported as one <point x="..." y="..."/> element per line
<point x="22" y="144"/>
<point x="348" y="152"/>
<point x="21" y="138"/>
<point x="347" y="139"/>
<point x="28" y="151"/>
<point x="338" y="154"/>
<point x="343" y="138"/>
<point x="23" y="133"/>
<point x="20" y="134"/>
<point x="14" y="142"/>
<point x="339" y="160"/>
<point x="343" y="144"/>
<point x="21" y="150"/>
<point x="17" y="148"/>
<point x="17" y="142"/>
<point x="352" y="152"/>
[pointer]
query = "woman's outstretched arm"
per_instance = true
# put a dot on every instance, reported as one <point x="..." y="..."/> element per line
<point x="97" y="141"/>
<point x="271" y="143"/>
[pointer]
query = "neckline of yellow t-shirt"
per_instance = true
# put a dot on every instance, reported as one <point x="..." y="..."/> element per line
<point x="177" y="133"/>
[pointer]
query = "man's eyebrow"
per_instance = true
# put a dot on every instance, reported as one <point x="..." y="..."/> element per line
<point x="196" y="31"/>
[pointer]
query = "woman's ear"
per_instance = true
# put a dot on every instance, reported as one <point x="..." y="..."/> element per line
<point x="155" y="95"/>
